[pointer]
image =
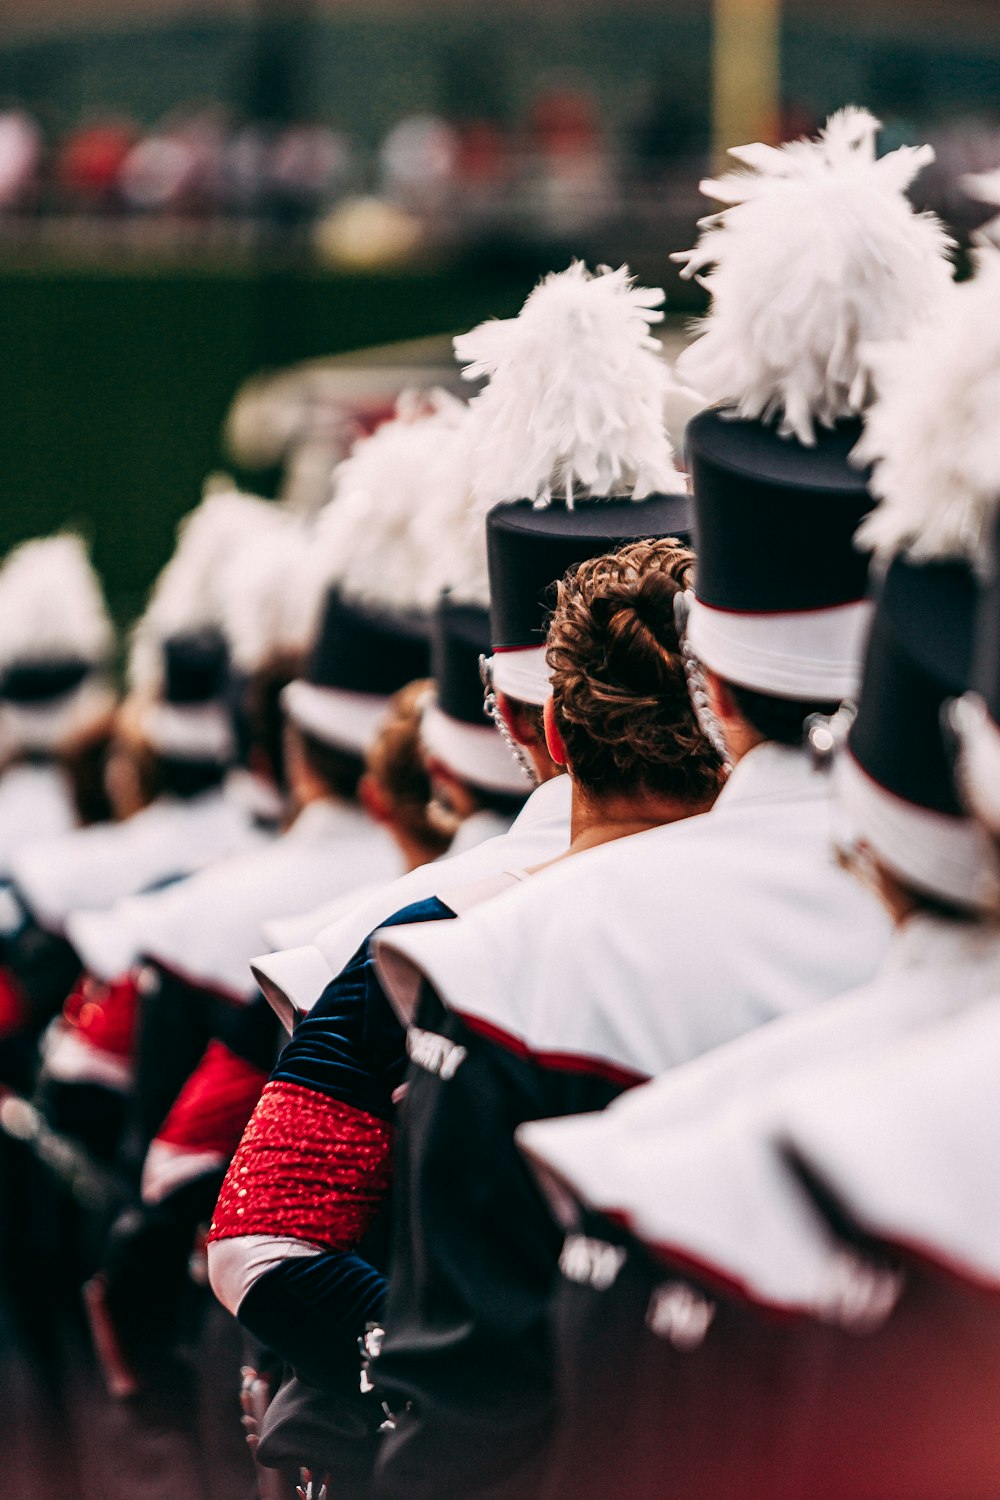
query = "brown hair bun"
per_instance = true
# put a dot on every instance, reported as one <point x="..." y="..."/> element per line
<point x="619" y="686"/>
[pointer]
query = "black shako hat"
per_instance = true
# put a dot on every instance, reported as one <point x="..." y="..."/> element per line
<point x="897" y="778"/>
<point x="975" y="717"/>
<point x="460" y="636"/>
<point x="985" y="676"/>
<point x="531" y="548"/>
<point x="455" y="729"/>
<point x="195" y="666"/>
<point x="781" y="587"/>
<point x="192" y="718"/>
<point x="360" y="657"/>
<point x="56" y="646"/>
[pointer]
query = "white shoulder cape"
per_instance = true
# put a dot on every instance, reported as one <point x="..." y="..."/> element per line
<point x="304" y="927"/>
<point x="908" y="1140"/>
<point x="91" y="868"/>
<point x="294" y="979"/>
<point x="207" y="928"/>
<point x="693" y="1162"/>
<point x="652" y="950"/>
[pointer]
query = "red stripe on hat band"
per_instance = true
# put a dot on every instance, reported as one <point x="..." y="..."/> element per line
<point x="778" y="614"/>
<point x="308" y="1167"/>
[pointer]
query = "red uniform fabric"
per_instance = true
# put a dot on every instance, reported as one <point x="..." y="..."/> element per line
<point x="105" y="1015"/>
<point x="308" y="1167"/>
<point x="212" y="1109"/>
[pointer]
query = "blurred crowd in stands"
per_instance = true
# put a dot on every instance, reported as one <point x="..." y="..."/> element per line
<point x="200" y="175"/>
<point x="429" y="179"/>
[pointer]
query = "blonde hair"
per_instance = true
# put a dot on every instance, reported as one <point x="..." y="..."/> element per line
<point x="396" y="761"/>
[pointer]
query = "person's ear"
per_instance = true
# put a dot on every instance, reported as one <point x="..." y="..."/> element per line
<point x="553" y="738"/>
<point x="521" y="727"/>
<point x="372" y="796"/>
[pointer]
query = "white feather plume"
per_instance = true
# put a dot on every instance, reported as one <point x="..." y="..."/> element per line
<point x="984" y="187"/>
<point x="932" y="431"/>
<point x="816" y="254"/>
<point x="574" y="404"/>
<point x="187" y="595"/>
<point x="51" y="603"/>
<point x="386" y="536"/>
<point x="264" y="614"/>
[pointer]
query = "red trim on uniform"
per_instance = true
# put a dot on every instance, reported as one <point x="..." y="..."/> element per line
<point x="207" y="987"/>
<point x="723" y="1283"/>
<point x="308" y="1167"/>
<point x="555" y="1062"/>
<point x="212" y="1109"/>
<point x="932" y="1259"/>
<point x="14" y="1012"/>
<point x="105" y="1015"/>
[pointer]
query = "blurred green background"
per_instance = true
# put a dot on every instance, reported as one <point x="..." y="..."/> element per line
<point x="114" y="385"/>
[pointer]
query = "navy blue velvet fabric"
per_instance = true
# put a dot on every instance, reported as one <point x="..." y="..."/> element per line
<point x="313" y="1310"/>
<point x="350" y="1046"/>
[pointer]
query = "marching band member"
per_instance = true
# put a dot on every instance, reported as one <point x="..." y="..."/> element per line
<point x="87" y="1066"/>
<point x="295" y="1262"/>
<point x="691" y="1172"/>
<point x="602" y="387"/>
<point x="56" y="692"/>
<point x="563" y="993"/>
<point x="197" y="1017"/>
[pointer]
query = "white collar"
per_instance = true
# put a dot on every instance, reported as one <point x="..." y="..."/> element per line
<point x="922" y="940"/>
<point x="550" y="799"/>
<point x="771" y="772"/>
<point x="481" y="826"/>
<point x="325" y="818"/>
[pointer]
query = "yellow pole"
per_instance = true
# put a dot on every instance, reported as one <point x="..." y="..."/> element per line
<point x="746" y="74"/>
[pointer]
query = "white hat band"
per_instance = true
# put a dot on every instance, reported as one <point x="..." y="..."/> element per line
<point x="51" y="726"/>
<point x="945" y="857"/>
<point x="522" y="674"/>
<point x="347" y="721"/>
<point x="474" y="752"/>
<point x="195" y="732"/>
<point x="979" y="758"/>
<point x="811" y="654"/>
